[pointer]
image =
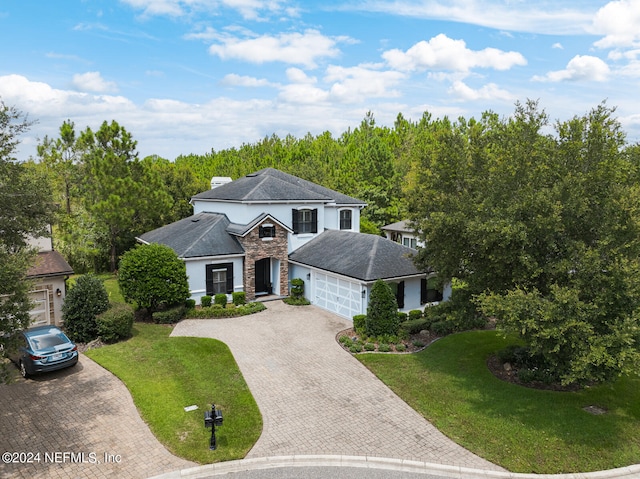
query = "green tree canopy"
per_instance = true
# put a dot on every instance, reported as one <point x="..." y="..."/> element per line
<point x="543" y="229"/>
<point x="151" y="275"/>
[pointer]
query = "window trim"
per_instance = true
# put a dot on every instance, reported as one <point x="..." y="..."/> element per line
<point x="299" y="226"/>
<point x="217" y="267"/>
<point x="350" y="219"/>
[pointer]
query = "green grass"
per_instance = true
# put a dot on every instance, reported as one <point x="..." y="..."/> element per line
<point x="110" y="284"/>
<point x="166" y="374"/>
<point x="522" y="429"/>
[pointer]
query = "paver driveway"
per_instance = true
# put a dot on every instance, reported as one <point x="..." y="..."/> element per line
<point x="84" y="410"/>
<point x="315" y="398"/>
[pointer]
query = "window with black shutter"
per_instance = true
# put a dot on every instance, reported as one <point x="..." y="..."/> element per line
<point x="345" y="219"/>
<point x="219" y="278"/>
<point x="305" y="221"/>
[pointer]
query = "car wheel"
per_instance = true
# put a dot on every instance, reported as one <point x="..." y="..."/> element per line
<point x="23" y="370"/>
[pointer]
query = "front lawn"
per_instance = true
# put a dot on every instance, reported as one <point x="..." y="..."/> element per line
<point x="165" y="374"/>
<point x="521" y="429"/>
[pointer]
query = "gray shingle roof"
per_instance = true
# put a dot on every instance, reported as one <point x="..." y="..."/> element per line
<point x="201" y="235"/>
<point x="269" y="185"/>
<point x="401" y="226"/>
<point x="241" y="230"/>
<point x="357" y="255"/>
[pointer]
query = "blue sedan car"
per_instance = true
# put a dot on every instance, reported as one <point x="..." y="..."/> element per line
<point x="42" y="349"/>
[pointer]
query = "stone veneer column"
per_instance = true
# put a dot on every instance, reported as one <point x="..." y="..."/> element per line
<point x="257" y="248"/>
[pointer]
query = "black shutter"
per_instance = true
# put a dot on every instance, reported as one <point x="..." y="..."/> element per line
<point x="423" y="290"/>
<point x="400" y="294"/>
<point x="209" y="279"/>
<point x="229" y="278"/>
<point x="294" y="221"/>
<point x="314" y="221"/>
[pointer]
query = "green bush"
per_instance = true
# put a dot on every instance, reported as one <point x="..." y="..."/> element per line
<point x="360" y="323"/>
<point x="190" y="303"/>
<point x="239" y="298"/>
<point x="460" y="312"/>
<point x="369" y="347"/>
<point x="115" y="323"/>
<point x="220" y="299"/>
<point x="382" y="311"/>
<point x="301" y="301"/>
<point x="401" y="348"/>
<point x="205" y="301"/>
<point x="442" y="328"/>
<point x="355" y="348"/>
<point x="415" y="314"/>
<point x="297" y="288"/>
<point x="86" y="299"/>
<point x="151" y="275"/>
<point x="414" y="326"/>
<point x="402" y="316"/>
<point x="217" y="311"/>
<point x="418" y="344"/>
<point x="345" y="340"/>
<point x="384" y="348"/>
<point x="170" y="316"/>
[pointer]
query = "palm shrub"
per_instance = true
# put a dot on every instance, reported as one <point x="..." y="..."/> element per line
<point x="86" y="299"/>
<point x="382" y="311"/>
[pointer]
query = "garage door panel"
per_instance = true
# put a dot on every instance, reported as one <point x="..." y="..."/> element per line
<point x="337" y="295"/>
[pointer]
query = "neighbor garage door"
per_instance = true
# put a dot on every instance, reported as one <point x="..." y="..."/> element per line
<point x="338" y="295"/>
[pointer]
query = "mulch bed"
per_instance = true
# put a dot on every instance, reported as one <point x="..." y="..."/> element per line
<point x="424" y="337"/>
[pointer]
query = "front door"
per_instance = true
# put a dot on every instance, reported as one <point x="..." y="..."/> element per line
<point x="263" y="276"/>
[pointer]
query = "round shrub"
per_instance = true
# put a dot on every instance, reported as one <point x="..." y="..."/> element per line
<point x="151" y="275"/>
<point x="115" y="323"/>
<point x="170" y="316"/>
<point x="220" y="299"/>
<point x="384" y="348"/>
<point x="86" y="299"/>
<point x="415" y="314"/>
<point x="355" y="348"/>
<point x="190" y="303"/>
<point x="205" y="301"/>
<point x="369" y="347"/>
<point x="297" y="287"/>
<point x="442" y="328"/>
<point x="239" y="298"/>
<point x="402" y="316"/>
<point x="401" y="348"/>
<point x="359" y="323"/>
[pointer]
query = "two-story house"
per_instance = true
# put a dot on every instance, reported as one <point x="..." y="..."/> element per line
<point x="258" y="232"/>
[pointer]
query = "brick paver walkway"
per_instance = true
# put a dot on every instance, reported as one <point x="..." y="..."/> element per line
<point x="84" y="411"/>
<point x="315" y="398"/>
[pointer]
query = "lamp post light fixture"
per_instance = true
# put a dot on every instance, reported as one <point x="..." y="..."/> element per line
<point x="212" y="419"/>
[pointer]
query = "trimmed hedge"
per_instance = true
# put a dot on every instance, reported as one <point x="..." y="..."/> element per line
<point x="415" y="326"/>
<point x="239" y="298"/>
<point x="220" y="299"/>
<point x="205" y="301"/>
<point x="415" y="314"/>
<point x="115" y="323"/>
<point x="170" y="316"/>
<point x="216" y="311"/>
<point x="360" y="323"/>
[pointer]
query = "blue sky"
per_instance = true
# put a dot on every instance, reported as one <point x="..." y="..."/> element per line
<point x="189" y="76"/>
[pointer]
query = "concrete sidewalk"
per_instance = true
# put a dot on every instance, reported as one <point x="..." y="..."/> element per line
<point x="316" y="398"/>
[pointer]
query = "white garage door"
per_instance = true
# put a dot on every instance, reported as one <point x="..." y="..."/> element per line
<point x="338" y="295"/>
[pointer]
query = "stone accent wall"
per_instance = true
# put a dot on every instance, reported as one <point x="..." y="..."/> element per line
<point x="257" y="248"/>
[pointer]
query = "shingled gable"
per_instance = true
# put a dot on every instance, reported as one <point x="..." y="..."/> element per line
<point x="243" y="230"/>
<point x="357" y="255"/>
<point x="201" y="235"/>
<point x="271" y="185"/>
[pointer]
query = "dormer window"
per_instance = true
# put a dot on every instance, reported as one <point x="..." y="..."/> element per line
<point x="305" y="221"/>
<point x="267" y="231"/>
<point x="345" y="219"/>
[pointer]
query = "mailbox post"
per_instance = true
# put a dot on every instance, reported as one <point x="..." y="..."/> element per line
<point x="212" y="419"/>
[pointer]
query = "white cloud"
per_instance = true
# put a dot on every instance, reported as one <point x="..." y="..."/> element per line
<point x="93" y="82"/>
<point x="488" y="92"/>
<point x="249" y="9"/>
<point x="239" y="80"/>
<point x="558" y="46"/>
<point x="579" y="68"/>
<point x="296" y="75"/>
<point x="444" y="53"/>
<point x="619" y="22"/>
<point x="542" y="16"/>
<point x="293" y="48"/>
<point x="353" y="84"/>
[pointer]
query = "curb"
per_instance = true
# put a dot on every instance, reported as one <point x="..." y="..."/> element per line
<point x="416" y="467"/>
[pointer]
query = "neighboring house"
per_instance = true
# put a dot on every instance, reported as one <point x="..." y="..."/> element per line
<point x="402" y="233"/>
<point x="258" y="232"/>
<point x="48" y="273"/>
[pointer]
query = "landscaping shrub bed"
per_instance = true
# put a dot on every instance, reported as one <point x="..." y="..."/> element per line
<point x="230" y="311"/>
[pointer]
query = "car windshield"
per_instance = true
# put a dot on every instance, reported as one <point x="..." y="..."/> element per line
<point x="47" y="340"/>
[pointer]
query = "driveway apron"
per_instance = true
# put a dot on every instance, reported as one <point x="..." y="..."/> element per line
<point x="77" y="423"/>
<point x="316" y="398"/>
